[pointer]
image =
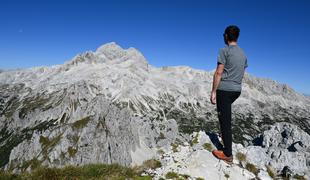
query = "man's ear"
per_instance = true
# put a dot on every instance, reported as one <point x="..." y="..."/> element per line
<point x="226" y="39"/>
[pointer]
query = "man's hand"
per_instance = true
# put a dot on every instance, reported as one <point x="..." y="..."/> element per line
<point x="213" y="97"/>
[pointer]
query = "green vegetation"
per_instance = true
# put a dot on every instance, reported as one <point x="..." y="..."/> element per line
<point x="72" y="151"/>
<point x="299" y="177"/>
<point x="174" y="147"/>
<point x="185" y="176"/>
<point x="199" y="178"/>
<point x="152" y="163"/>
<point x="48" y="144"/>
<point x="32" y="103"/>
<point x="160" y="151"/>
<point x="74" y="139"/>
<point x="240" y="156"/>
<point x="11" y="139"/>
<point x="81" y="123"/>
<point x="161" y="136"/>
<point x="252" y="168"/>
<point x="194" y="140"/>
<point x="11" y="107"/>
<point x="85" y="172"/>
<point x="147" y="164"/>
<point x="171" y="175"/>
<point x="207" y="146"/>
<point x="271" y="172"/>
<point x="226" y="176"/>
<point x="143" y="178"/>
<point x="5" y="175"/>
<point x="33" y="164"/>
<point x="174" y="175"/>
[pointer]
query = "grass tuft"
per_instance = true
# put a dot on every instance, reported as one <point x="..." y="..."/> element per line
<point x="226" y="176"/>
<point x="194" y="140"/>
<point x="207" y="146"/>
<point x="240" y="156"/>
<point x="161" y="136"/>
<point x="252" y="168"/>
<point x="171" y="175"/>
<point x="88" y="171"/>
<point x="160" y="151"/>
<point x="81" y="123"/>
<point x="299" y="177"/>
<point x="174" y="147"/>
<point x="152" y="163"/>
<point x="72" y="151"/>
<point x="48" y="144"/>
<point x="185" y="176"/>
<point x="271" y="172"/>
<point x="147" y="164"/>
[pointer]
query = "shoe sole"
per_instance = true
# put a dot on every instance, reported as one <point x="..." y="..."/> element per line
<point x="228" y="162"/>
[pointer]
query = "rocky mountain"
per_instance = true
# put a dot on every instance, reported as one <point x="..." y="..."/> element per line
<point x="110" y="105"/>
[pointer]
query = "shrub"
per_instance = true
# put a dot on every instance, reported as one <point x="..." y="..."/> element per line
<point x="33" y="164"/>
<point x="271" y="172"/>
<point x="171" y="175"/>
<point x="186" y="176"/>
<point x="160" y="151"/>
<point x="207" y="146"/>
<point x="226" y="176"/>
<point x="194" y="140"/>
<point x="174" y="147"/>
<point x="81" y="123"/>
<point x="148" y="164"/>
<point x="48" y="144"/>
<point x="89" y="171"/>
<point x="252" y="168"/>
<point x="143" y="178"/>
<point x="72" y="151"/>
<point x="240" y="156"/>
<point x="45" y="173"/>
<point x="7" y="175"/>
<point x="161" y="136"/>
<point x="299" y="177"/>
<point x="152" y="163"/>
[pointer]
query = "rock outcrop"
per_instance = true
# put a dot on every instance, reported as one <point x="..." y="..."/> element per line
<point x="110" y="105"/>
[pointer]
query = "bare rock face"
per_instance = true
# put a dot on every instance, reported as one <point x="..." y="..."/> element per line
<point x="283" y="146"/>
<point x="110" y="105"/>
<point x="275" y="161"/>
<point x="73" y="127"/>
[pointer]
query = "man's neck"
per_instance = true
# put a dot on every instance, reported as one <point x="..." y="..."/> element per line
<point x="232" y="43"/>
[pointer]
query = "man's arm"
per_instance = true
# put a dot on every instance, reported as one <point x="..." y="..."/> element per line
<point x="216" y="81"/>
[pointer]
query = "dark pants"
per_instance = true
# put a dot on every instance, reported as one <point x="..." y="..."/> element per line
<point x="224" y="99"/>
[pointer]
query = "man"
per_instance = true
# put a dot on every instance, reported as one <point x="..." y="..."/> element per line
<point x="226" y="88"/>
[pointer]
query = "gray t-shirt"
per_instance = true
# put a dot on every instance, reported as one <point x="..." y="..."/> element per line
<point x="235" y="62"/>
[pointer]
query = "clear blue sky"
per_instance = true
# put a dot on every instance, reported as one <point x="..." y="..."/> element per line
<point x="274" y="34"/>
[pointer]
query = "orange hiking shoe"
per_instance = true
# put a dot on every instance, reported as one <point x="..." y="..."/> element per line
<point x="220" y="155"/>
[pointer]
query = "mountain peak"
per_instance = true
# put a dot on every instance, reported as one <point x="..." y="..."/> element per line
<point x="111" y="51"/>
<point x="109" y="46"/>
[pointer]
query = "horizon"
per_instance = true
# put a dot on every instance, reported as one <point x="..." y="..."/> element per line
<point x="182" y="33"/>
<point x="147" y="61"/>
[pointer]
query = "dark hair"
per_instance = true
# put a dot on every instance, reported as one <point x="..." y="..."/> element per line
<point x="232" y="32"/>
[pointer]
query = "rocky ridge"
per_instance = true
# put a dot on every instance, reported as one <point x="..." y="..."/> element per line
<point x="112" y="106"/>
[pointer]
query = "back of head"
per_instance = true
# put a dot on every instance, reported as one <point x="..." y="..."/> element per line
<point x="232" y="33"/>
